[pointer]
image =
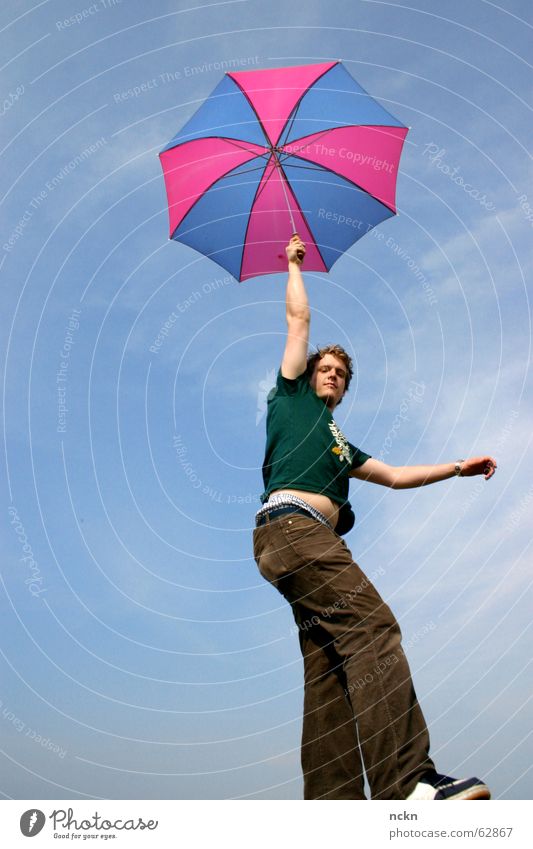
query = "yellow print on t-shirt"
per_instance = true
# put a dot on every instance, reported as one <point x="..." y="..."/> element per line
<point x="341" y="449"/>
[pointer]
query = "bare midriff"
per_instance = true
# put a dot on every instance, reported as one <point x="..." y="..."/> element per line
<point x="320" y="502"/>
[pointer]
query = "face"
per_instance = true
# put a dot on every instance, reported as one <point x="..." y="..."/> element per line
<point x="329" y="380"/>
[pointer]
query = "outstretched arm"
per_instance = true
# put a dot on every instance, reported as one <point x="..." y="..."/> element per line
<point x="298" y="315"/>
<point x="406" y="477"/>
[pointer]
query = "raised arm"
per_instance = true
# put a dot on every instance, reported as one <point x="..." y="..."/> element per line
<point x="406" y="477"/>
<point x="298" y="315"/>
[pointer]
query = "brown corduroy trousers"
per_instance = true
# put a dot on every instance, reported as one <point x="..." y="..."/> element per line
<point x="360" y="707"/>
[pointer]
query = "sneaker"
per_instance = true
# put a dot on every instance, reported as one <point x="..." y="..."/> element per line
<point x="435" y="786"/>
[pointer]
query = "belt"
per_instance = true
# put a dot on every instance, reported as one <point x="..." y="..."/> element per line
<point x="281" y="511"/>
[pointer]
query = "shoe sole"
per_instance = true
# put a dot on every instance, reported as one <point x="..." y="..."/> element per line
<point x="472" y="793"/>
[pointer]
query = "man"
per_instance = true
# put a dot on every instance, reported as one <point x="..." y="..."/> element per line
<point x="360" y="708"/>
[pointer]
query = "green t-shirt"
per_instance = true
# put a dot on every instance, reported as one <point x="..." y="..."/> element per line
<point x="305" y="449"/>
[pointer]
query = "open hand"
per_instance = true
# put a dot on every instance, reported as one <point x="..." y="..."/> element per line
<point x="479" y="466"/>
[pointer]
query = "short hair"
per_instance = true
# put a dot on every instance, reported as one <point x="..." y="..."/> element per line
<point x="336" y="351"/>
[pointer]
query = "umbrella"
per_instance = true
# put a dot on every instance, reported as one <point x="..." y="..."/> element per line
<point x="303" y="149"/>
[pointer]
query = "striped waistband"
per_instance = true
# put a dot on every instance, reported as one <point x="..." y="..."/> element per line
<point x="277" y="501"/>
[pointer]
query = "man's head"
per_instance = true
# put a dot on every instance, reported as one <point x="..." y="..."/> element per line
<point x="330" y="371"/>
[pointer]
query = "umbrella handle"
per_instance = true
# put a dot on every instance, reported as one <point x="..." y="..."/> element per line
<point x="299" y="254"/>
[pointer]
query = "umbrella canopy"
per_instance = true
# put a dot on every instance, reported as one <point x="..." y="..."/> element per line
<point x="272" y="152"/>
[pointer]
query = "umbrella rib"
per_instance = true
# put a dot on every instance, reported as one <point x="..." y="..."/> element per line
<point x="304" y="219"/>
<point x="309" y="87"/>
<point x="304" y="167"/>
<point x="247" y="171"/>
<point x="218" y="179"/>
<point x="289" y="124"/>
<point x="325" y="132"/>
<point x="235" y="142"/>
<point x="318" y="137"/>
<point x="237" y="83"/>
<point x="231" y="170"/>
<point x="342" y="177"/>
<point x="260" y="189"/>
<point x="240" y="144"/>
<point x="259" y="192"/>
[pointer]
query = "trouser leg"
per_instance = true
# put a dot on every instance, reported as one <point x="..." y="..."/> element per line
<point x="331" y="759"/>
<point x="311" y="566"/>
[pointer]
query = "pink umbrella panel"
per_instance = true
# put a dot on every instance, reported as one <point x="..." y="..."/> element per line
<point x="272" y="152"/>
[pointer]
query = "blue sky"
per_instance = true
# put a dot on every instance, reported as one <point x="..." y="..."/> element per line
<point x="142" y="654"/>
